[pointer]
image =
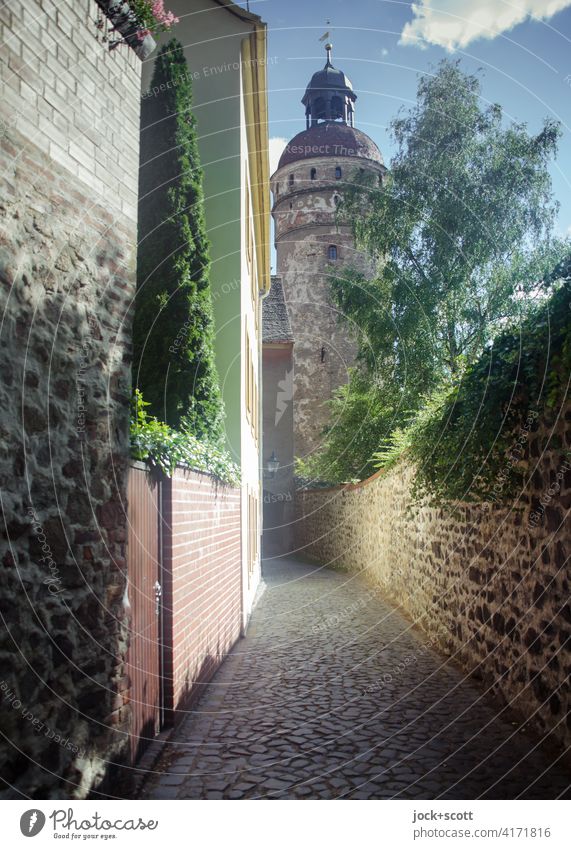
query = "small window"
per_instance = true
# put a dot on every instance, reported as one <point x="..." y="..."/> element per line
<point x="277" y="188"/>
<point x="290" y="205"/>
<point x="332" y="252"/>
<point x="338" y="173"/>
<point x="337" y="200"/>
<point x="313" y="173"/>
<point x="380" y="179"/>
<point x="291" y="179"/>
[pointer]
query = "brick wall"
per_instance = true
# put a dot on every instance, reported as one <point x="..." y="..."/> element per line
<point x="490" y="583"/>
<point x="69" y="111"/>
<point x="202" y="583"/>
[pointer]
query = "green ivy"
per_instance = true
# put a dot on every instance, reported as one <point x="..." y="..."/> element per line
<point x="173" y="328"/>
<point x="469" y="439"/>
<point x="160" y="445"/>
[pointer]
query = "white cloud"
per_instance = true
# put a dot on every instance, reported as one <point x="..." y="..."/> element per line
<point x="456" y="23"/>
<point x="276" y="146"/>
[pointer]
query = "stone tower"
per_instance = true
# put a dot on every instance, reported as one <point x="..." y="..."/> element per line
<point x="311" y="244"/>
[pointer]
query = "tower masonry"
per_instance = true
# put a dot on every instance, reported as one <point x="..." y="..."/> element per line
<point x="312" y="243"/>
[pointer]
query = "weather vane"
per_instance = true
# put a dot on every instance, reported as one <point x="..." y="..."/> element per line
<point x="327" y="34"/>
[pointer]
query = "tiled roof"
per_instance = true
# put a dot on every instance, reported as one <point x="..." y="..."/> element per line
<point x="275" y="319"/>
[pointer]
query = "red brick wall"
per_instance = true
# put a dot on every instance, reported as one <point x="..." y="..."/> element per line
<point x="201" y="583"/>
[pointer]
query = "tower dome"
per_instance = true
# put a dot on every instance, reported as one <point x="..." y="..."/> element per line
<point x="329" y="110"/>
<point x="329" y="95"/>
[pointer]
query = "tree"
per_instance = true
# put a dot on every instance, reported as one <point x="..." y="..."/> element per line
<point x="173" y="325"/>
<point x="462" y="233"/>
<point x="466" y="199"/>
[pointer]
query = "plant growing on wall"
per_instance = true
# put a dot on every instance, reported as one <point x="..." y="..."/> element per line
<point x="173" y="323"/>
<point x="160" y="445"/>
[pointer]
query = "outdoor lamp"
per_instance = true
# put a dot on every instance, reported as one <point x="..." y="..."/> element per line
<point x="273" y="464"/>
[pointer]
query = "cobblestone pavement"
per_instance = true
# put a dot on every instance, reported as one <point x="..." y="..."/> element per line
<point x="333" y="694"/>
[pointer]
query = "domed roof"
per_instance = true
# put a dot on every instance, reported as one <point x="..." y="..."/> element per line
<point x="330" y="138"/>
<point x="329" y="77"/>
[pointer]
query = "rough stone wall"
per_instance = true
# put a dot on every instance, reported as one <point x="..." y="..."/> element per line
<point x="325" y="348"/>
<point x="69" y="159"/>
<point x="202" y="584"/>
<point x="491" y="584"/>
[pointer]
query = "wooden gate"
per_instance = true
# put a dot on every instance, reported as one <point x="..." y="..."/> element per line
<point x="144" y="571"/>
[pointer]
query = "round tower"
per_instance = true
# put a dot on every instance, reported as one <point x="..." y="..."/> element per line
<point x="311" y="244"/>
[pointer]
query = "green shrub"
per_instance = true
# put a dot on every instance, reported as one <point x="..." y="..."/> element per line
<point x="160" y="445"/>
<point x="469" y="440"/>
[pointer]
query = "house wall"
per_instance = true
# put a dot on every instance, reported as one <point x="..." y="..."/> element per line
<point x="211" y="38"/>
<point x="69" y="143"/>
<point x="202" y="602"/>
<point x="215" y="40"/>
<point x="489" y="583"/>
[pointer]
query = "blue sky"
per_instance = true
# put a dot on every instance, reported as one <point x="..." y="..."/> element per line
<point x="382" y="45"/>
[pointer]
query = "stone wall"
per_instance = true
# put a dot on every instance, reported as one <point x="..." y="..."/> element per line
<point x="69" y="158"/>
<point x="306" y="226"/>
<point x="490" y="583"/>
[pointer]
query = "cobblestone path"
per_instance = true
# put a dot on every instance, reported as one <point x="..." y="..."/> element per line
<point x="313" y="704"/>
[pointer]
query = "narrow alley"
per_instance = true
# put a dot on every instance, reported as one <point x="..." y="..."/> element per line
<point x="333" y="694"/>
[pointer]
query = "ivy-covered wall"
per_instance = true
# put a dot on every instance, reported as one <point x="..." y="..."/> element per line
<point x="173" y="328"/>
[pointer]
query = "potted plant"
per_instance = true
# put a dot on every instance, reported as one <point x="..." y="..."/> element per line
<point x="136" y="22"/>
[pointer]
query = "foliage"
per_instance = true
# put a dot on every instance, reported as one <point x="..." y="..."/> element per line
<point x="464" y="215"/>
<point x="362" y="413"/>
<point x="152" y="17"/>
<point x="468" y="441"/>
<point x="173" y="324"/>
<point x="162" y="446"/>
<point x="461" y="231"/>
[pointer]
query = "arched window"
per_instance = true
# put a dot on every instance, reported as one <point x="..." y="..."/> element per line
<point x="313" y="173"/>
<point x="336" y="108"/>
<point x="291" y="180"/>
<point x="380" y="179"/>
<point x="318" y="111"/>
<point x="290" y="205"/>
<point x="332" y="252"/>
<point x="277" y="189"/>
<point x="337" y="200"/>
<point x="338" y="173"/>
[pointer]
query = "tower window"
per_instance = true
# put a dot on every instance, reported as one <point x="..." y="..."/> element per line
<point x="337" y="200"/>
<point x="290" y="205"/>
<point x="313" y="173"/>
<point x="338" y="173"/>
<point x="332" y="252"/>
<point x="277" y="188"/>
<point x="291" y="180"/>
<point x="380" y="179"/>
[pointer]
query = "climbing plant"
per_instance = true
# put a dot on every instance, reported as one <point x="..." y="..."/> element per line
<point x="173" y="323"/>
<point x="468" y="441"/>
